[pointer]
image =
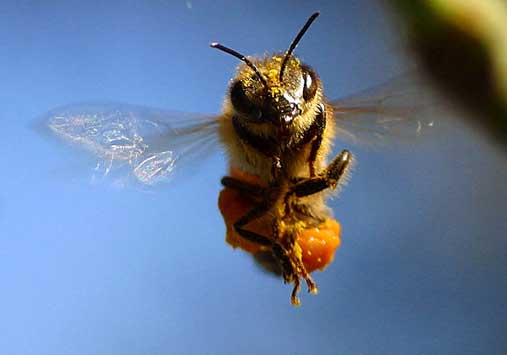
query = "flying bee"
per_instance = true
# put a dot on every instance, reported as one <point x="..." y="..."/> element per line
<point x="277" y="128"/>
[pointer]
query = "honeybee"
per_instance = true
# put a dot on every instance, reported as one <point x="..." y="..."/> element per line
<point x="277" y="128"/>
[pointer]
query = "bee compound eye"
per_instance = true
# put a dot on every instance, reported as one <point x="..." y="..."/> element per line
<point x="242" y="102"/>
<point x="310" y="84"/>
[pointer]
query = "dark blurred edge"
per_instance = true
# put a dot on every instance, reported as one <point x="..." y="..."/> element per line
<point x="458" y="61"/>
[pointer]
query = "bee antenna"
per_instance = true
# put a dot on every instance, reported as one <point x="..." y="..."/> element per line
<point x="295" y="42"/>
<point x="242" y="58"/>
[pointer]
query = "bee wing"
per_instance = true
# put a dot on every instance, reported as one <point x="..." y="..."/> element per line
<point x="135" y="141"/>
<point x="397" y="111"/>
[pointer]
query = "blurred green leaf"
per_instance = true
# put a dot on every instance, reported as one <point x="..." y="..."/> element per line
<point x="462" y="45"/>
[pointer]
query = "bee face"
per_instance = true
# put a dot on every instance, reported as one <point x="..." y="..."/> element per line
<point x="274" y="98"/>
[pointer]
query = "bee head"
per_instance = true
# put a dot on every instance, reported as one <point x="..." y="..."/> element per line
<point x="274" y="100"/>
<point x="276" y="89"/>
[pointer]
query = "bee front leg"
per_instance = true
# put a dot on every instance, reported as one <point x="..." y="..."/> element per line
<point x="329" y="178"/>
<point x="317" y="131"/>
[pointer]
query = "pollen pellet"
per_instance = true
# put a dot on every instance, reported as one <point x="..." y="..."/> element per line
<point x="320" y="244"/>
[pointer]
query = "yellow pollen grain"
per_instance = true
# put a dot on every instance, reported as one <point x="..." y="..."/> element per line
<point x="276" y="92"/>
<point x="272" y="74"/>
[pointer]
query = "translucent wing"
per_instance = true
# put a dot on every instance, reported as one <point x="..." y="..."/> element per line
<point x="134" y="141"/>
<point x="397" y="111"/>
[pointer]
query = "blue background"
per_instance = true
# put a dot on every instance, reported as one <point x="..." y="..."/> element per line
<point x="93" y="269"/>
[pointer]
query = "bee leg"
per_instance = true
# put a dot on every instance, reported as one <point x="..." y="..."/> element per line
<point x="292" y="266"/>
<point x="294" y="299"/>
<point x="330" y="178"/>
<point x="250" y="190"/>
<point x="268" y="198"/>
<point x="293" y="270"/>
<point x="314" y="136"/>
<point x="317" y="131"/>
<point x="254" y="213"/>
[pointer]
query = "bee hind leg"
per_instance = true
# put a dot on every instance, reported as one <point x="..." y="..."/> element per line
<point x="256" y="192"/>
<point x="291" y="266"/>
<point x="256" y="212"/>
<point x="293" y="270"/>
<point x="250" y="190"/>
